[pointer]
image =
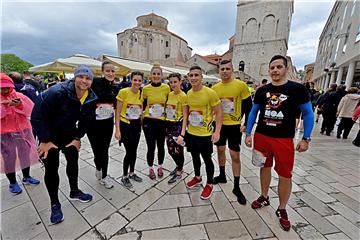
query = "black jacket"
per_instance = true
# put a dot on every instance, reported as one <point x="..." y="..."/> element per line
<point x="105" y="90"/>
<point x="58" y="115"/>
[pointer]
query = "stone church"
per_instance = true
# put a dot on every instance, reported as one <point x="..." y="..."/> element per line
<point x="262" y="30"/>
<point x="151" y="41"/>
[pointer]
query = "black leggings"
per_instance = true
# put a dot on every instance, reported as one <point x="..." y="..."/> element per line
<point x="99" y="134"/>
<point x="130" y="136"/>
<point x="154" y="130"/>
<point x="12" y="176"/>
<point x="51" y="171"/>
<point x="173" y="129"/>
<point x="197" y="146"/>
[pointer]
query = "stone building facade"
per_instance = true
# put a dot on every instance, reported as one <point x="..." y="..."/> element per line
<point x="151" y="41"/>
<point x="262" y="30"/>
<point x="309" y="72"/>
<point x="338" y="54"/>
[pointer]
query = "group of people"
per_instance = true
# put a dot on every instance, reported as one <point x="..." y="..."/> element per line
<point x="339" y="106"/>
<point x="203" y="116"/>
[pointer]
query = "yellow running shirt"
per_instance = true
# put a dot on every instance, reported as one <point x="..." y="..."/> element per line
<point x="200" y="111"/>
<point x="131" y="105"/>
<point x="156" y="99"/>
<point x="174" y="106"/>
<point x="231" y="95"/>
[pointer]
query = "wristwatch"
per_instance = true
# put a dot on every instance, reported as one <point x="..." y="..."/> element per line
<point x="306" y="139"/>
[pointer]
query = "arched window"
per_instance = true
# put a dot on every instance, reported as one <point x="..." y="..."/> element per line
<point x="241" y="66"/>
<point x="268" y="28"/>
<point x="251" y="31"/>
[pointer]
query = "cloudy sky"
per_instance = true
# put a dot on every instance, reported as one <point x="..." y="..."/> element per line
<point x="40" y="31"/>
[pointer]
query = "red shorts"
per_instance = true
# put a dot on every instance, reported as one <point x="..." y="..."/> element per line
<point x="282" y="149"/>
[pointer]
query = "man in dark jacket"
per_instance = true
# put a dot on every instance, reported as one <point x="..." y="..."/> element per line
<point x="329" y="109"/>
<point x="20" y="86"/>
<point x="60" y="118"/>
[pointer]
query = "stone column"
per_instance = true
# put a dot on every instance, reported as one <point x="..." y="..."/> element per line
<point x="332" y="77"/>
<point x="339" y="75"/>
<point x="322" y="82"/>
<point x="327" y="79"/>
<point x="350" y="75"/>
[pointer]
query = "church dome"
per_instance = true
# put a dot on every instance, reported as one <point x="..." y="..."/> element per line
<point x="152" y="20"/>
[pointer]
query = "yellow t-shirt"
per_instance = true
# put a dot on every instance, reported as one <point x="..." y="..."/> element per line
<point x="83" y="98"/>
<point x="231" y="95"/>
<point x="131" y="105"/>
<point x="200" y="111"/>
<point x="156" y="99"/>
<point x="174" y="106"/>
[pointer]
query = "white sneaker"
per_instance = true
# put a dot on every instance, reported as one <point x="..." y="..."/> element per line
<point x="98" y="174"/>
<point x="106" y="182"/>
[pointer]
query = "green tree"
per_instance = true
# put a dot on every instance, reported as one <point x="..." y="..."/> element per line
<point x="12" y="63"/>
<point x="301" y="74"/>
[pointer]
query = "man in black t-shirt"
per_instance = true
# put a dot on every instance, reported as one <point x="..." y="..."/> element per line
<point x="278" y="103"/>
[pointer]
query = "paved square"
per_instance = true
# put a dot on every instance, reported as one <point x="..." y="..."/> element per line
<point x="324" y="204"/>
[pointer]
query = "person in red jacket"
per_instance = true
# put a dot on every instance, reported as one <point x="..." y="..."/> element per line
<point x="356" y="114"/>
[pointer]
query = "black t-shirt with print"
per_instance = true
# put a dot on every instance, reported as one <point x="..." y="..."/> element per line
<point x="278" y="107"/>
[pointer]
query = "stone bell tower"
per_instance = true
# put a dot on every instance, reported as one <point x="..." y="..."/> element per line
<point x="262" y="30"/>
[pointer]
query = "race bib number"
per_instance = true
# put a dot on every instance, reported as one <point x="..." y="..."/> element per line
<point x="227" y="105"/>
<point x="104" y="111"/>
<point x="170" y="112"/>
<point x="133" y="111"/>
<point x="258" y="159"/>
<point x="156" y="110"/>
<point x="196" y="119"/>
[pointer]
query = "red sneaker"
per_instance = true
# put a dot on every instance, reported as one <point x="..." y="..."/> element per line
<point x="194" y="182"/>
<point x="283" y="219"/>
<point x="160" y="172"/>
<point x="260" y="202"/>
<point x="206" y="193"/>
<point x="152" y="173"/>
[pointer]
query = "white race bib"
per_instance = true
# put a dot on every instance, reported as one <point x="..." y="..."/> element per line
<point x="196" y="119"/>
<point x="104" y="111"/>
<point x="170" y="112"/>
<point x="156" y="110"/>
<point x="228" y="105"/>
<point x="133" y="111"/>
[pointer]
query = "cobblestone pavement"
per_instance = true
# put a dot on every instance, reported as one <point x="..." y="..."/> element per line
<point x="324" y="203"/>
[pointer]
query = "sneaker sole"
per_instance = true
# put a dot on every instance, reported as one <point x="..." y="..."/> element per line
<point x="206" y="198"/>
<point x="58" y="221"/>
<point x="83" y="201"/>
<point x="195" y="185"/>
<point x="108" y="187"/>
<point x="15" y="193"/>
<point x="33" y="184"/>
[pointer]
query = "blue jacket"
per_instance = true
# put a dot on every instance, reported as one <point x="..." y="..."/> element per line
<point x="58" y="115"/>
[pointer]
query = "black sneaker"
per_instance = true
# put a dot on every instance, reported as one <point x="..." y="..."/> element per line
<point x="126" y="182"/>
<point x="240" y="196"/>
<point x="219" y="179"/>
<point x="80" y="196"/>
<point x="174" y="178"/>
<point x="135" y="177"/>
<point x="173" y="172"/>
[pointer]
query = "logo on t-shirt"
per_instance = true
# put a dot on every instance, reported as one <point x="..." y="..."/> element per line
<point x="273" y="115"/>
